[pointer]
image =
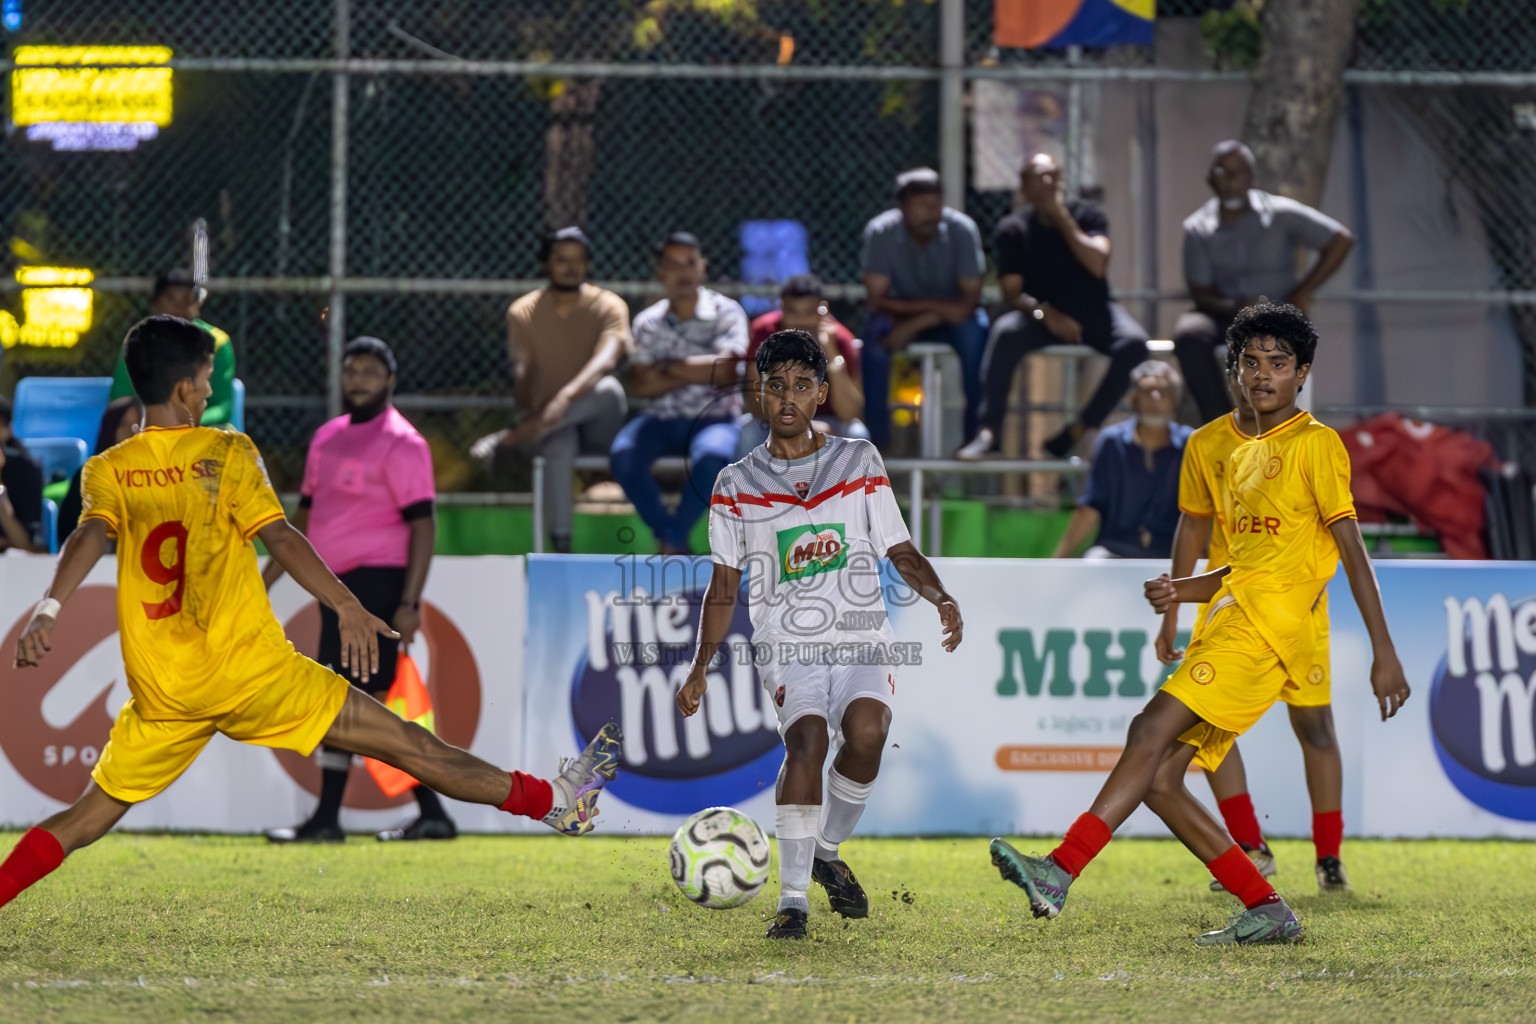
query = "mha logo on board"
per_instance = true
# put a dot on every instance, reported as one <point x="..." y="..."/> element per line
<point x="1483" y="703"/>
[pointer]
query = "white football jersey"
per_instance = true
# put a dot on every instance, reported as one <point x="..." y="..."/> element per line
<point x="809" y="534"/>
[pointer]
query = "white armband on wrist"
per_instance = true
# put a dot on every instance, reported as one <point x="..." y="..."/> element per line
<point x="47" y="606"/>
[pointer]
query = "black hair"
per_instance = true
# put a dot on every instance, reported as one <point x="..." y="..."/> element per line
<point x="176" y="277"/>
<point x="782" y="347"/>
<point x="6" y="410"/>
<point x="370" y="346"/>
<point x="802" y="286"/>
<point x="117" y="409"/>
<point x="684" y="238"/>
<point x="554" y="238"/>
<point x="920" y="181"/>
<point x="1285" y="323"/>
<point x="161" y="350"/>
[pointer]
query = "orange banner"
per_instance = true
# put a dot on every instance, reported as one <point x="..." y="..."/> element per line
<point x="1020" y="758"/>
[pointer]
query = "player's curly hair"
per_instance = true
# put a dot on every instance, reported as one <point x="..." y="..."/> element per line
<point x="1285" y="323"/>
<point x="783" y="347"/>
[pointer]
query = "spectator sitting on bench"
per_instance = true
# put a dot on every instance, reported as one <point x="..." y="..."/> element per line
<point x="803" y="307"/>
<point x="566" y="341"/>
<point x="1132" y="497"/>
<point x="687" y="347"/>
<point x="1242" y="244"/>
<point x="1052" y="258"/>
<point x="922" y="269"/>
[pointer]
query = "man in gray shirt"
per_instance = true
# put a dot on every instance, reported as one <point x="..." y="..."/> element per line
<point x="922" y="269"/>
<point x="1240" y="246"/>
<point x="686" y="355"/>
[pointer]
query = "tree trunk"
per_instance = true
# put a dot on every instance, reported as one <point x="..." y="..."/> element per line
<point x="1298" y="89"/>
<point x="569" y="154"/>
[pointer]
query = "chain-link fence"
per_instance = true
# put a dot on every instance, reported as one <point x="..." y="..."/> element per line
<point x="470" y="126"/>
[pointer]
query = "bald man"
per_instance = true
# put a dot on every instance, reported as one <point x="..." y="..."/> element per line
<point x="1242" y="245"/>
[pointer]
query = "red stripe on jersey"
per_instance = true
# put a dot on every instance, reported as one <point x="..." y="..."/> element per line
<point x="867" y="484"/>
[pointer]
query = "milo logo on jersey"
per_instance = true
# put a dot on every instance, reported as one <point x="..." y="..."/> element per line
<point x="805" y="551"/>
<point x="1482" y="703"/>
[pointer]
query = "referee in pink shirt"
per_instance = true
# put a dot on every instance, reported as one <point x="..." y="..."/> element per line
<point x="367" y="507"/>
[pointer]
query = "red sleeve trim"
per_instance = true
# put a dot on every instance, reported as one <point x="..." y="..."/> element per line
<point x="274" y="517"/>
<point x="1348" y="513"/>
<point x="1197" y="515"/>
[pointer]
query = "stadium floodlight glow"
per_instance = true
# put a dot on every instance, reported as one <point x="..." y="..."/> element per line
<point x="91" y="97"/>
<point x="53" y="277"/>
<point x="55" y="314"/>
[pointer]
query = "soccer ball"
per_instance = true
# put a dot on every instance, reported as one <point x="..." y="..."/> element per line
<point x="719" y="858"/>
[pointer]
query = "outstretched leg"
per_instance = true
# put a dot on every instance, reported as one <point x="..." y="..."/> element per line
<point x="1265" y="917"/>
<point x="567" y="804"/>
<point x="1045" y="879"/>
<point x="1229" y="784"/>
<point x="43" y="848"/>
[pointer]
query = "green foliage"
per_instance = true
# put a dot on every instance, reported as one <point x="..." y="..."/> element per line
<point x="546" y="928"/>
<point x="1234" y="38"/>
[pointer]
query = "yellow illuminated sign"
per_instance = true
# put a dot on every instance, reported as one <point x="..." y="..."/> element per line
<point x="85" y="92"/>
<point x="54" y="315"/>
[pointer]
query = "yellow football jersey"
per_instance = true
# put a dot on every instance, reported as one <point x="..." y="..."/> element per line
<point x="1203" y="481"/>
<point x="193" y="614"/>
<point x="1285" y="488"/>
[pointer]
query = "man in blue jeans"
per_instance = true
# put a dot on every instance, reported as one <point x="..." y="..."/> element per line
<point x="687" y="350"/>
<point x="922" y="269"/>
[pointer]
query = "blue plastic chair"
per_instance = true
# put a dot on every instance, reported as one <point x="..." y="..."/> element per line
<point x="771" y="251"/>
<point x="51" y="525"/>
<point x="237" y="407"/>
<point x="59" y="457"/>
<point x="60" y="407"/>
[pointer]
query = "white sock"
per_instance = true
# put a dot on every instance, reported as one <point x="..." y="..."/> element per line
<point x="796" y="826"/>
<point x="840" y="812"/>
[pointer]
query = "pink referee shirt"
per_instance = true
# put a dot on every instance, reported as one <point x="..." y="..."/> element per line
<point x="359" y="477"/>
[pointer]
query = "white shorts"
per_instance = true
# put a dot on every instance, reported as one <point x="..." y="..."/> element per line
<point x="825" y="690"/>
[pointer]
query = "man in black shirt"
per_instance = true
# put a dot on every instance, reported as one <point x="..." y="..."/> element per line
<point x="1052" y="257"/>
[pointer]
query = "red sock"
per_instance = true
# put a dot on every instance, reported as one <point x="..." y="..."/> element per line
<point x="531" y="796"/>
<point x="1238" y="876"/>
<point x="1327" y="833"/>
<point x="37" y="854"/>
<point x="1242" y="823"/>
<point x="1083" y="841"/>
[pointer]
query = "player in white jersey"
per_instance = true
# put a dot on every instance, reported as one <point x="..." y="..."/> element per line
<point x="808" y="518"/>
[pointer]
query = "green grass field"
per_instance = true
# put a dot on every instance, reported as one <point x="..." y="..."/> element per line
<point x="216" y="928"/>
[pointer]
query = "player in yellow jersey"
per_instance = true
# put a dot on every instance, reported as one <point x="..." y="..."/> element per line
<point x="1308" y="699"/>
<point x="203" y="651"/>
<point x="1291" y="520"/>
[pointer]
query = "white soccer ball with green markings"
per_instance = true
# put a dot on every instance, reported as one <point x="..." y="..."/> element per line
<point x="720" y="858"/>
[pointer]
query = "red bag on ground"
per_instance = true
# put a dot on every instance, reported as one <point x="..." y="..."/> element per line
<point x="1424" y="471"/>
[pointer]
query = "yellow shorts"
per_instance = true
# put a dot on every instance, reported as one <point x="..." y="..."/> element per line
<point x="1230" y="677"/>
<point x="291" y="706"/>
<point x="1314" y="688"/>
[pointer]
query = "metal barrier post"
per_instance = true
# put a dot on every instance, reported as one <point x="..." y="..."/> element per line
<point x="538" y="504"/>
<point x="916" y="501"/>
<point x="336" y="267"/>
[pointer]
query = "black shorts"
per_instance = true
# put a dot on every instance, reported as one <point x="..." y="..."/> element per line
<point x="379" y="590"/>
